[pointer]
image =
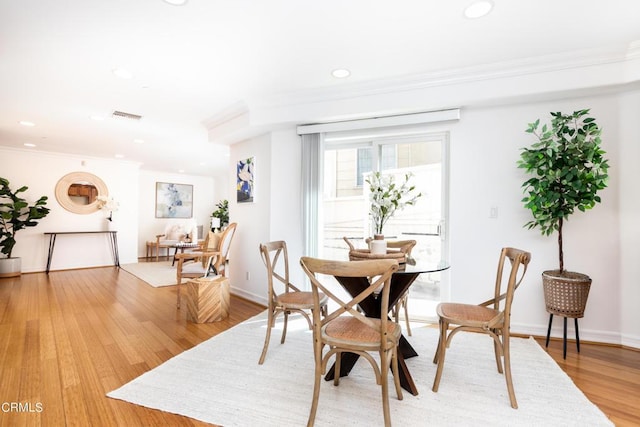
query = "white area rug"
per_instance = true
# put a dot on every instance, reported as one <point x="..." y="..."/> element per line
<point x="156" y="274"/>
<point x="220" y="382"/>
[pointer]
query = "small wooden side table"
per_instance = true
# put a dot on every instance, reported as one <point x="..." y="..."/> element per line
<point x="208" y="299"/>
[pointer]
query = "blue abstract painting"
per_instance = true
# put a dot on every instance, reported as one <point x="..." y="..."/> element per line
<point x="174" y="200"/>
<point x="244" y="187"/>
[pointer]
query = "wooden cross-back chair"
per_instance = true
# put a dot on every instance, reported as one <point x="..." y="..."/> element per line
<point x="405" y="247"/>
<point x="283" y="296"/>
<point x="492" y="317"/>
<point x="345" y="329"/>
<point x="208" y="261"/>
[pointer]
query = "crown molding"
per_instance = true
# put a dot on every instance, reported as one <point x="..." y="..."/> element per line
<point x="571" y="73"/>
<point x="226" y="115"/>
<point x="517" y="68"/>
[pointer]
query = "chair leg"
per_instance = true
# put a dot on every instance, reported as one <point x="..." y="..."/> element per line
<point x="577" y="334"/>
<point x="384" y="383"/>
<point x="179" y="281"/>
<point x="564" y="339"/>
<point x="496" y="351"/>
<point x="549" y="329"/>
<point x="317" y="353"/>
<point x="507" y="370"/>
<point x="270" y="322"/>
<point x="440" y="353"/>
<point x="405" y="303"/>
<point x="337" y="369"/>
<point x="395" y="372"/>
<point x="284" y="329"/>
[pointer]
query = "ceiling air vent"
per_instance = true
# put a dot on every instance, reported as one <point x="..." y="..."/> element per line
<point x="123" y="115"/>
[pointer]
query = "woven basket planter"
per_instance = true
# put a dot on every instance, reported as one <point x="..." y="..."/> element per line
<point x="566" y="294"/>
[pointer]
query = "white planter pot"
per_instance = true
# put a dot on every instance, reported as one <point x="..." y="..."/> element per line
<point x="10" y="267"/>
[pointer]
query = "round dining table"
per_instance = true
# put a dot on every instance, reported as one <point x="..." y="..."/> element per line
<point x="401" y="280"/>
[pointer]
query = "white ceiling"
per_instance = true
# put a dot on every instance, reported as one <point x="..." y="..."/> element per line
<point x="191" y="62"/>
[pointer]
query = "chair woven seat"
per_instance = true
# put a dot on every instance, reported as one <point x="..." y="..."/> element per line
<point x="351" y="329"/>
<point x="301" y="299"/>
<point x="467" y="314"/>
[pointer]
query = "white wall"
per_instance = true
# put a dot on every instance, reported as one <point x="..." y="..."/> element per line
<point x="485" y="146"/>
<point x="275" y="213"/>
<point x="205" y="198"/>
<point x="135" y="220"/>
<point x="629" y="236"/>
<point x="40" y="172"/>
<point x="246" y="272"/>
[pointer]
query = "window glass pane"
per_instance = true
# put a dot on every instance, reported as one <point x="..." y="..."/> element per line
<point x="388" y="157"/>
<point x="365" y="164"/>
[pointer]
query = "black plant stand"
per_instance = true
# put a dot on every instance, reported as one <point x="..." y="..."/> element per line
<point x="564" y="335"/>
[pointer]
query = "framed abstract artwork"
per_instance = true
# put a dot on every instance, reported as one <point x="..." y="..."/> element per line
<point x="174" y="200"/>
<point x="245" y="183"/>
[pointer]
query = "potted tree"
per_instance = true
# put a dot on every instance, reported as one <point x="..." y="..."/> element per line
<point x="15" y="214"/>
<point x="568" y="168"/>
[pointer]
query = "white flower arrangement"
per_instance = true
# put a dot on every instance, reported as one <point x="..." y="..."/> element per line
<point x="108" y="204"/>
<point x="387" y="197"/>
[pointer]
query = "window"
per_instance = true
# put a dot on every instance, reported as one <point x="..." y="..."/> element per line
<point x="345" y="205"/>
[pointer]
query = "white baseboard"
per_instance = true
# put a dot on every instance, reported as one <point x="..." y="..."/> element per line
<point x="585" y="334"/>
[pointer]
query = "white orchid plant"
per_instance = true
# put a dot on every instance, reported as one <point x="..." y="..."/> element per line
<point x="107" y="203"/>
<point x="387" y="197"/>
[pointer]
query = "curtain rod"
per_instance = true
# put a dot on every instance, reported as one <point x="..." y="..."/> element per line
<point x="404" y="119"/>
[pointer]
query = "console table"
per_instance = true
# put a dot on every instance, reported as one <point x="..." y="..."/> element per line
<point x="113" y="241"/>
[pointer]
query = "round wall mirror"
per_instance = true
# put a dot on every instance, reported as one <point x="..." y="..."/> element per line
<point x="77" y="192"/>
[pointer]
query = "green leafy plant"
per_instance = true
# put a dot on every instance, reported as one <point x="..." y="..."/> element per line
<point x="387" y="197"/>
<point x="568" y="168"/>
<point x="222" y="212"/>
<point x="16" y="214"/>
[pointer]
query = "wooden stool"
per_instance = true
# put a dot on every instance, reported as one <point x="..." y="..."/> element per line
<point x="208" y="299"/>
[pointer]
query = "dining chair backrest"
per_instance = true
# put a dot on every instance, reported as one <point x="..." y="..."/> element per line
<point x="507" y="282"/>
<point x="276" y="260"/>
<point x="225" y="240"/>
<point x="220" y="259"/>
<point x="379" y="272"/>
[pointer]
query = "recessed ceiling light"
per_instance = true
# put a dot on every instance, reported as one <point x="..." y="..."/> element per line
<point x="176" y="2"/>
<point x="341" y="73"/>
<point x="28" y="144"/>
<point x="181" y="170"/>
<point x="97" y="118"/>
<point x="478" y="9"/>
<point x="139" y="141"/>
<point x="122" y="73"/>
<point x="119" y="156"/>
<point x="26" y="123"/>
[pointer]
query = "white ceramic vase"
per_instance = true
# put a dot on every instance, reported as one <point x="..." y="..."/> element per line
<point x="378" y="246"/>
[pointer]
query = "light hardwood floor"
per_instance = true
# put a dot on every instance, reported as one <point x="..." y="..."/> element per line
<point x="72" y="336"/>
